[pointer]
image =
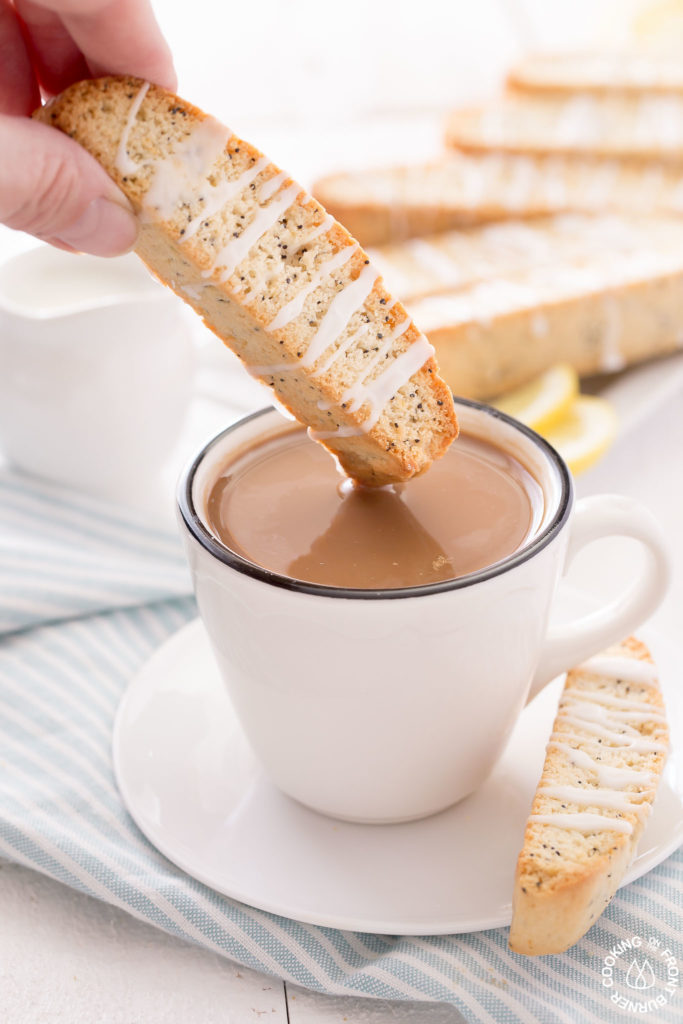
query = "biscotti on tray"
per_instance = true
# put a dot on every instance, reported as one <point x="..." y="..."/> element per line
<point x="602" y="766"/>
<point x="597" y="305"/>
<point x="598" y="72"/>
<point x="388" y="205"/>
<point x="641" y="127"/>
<point x="459" y="259"/>
<point x="271" y="273"/>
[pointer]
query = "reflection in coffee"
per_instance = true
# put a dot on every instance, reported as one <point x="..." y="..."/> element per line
<point x="284" y="505"/>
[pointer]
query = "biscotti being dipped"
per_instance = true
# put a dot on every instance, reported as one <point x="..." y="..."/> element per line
<point x="603" y="763"/>
<point x="271" y="273"/>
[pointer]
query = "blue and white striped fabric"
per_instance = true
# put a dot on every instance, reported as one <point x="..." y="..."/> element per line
<point x="86" y="595"/>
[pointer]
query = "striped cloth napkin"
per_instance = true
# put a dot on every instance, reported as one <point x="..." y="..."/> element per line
<point x="86" y="594"/>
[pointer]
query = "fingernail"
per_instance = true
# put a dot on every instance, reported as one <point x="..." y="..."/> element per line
<point x="104" y="229"/>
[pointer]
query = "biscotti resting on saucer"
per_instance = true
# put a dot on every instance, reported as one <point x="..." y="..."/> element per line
<point x="603" y="763"/>
<point x="598" y="72"/>
<point x="465" y="189"/>
<point x="600" y="315"/>
<point x="271" y="273"/>
<point x="641" y="127"/>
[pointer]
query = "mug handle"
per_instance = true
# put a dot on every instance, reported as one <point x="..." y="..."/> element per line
<point x="606" y="515"/>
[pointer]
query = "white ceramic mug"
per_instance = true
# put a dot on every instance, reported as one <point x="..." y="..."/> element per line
<point x="96" y="370"/>
<point x="384" y="706"/>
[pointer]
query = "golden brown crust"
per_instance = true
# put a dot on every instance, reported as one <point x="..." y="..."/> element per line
<point x="416" y="423"/>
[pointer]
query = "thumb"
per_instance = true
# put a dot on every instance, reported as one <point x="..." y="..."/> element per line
<point x="53" y="189"/>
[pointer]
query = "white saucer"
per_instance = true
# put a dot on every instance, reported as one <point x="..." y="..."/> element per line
<point x="190" y="781"/>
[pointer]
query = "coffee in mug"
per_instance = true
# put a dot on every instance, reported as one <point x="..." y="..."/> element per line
<point x="385" y="703"/>
<point x="284" y="505"/>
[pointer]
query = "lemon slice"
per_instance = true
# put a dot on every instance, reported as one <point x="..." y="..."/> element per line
<point x="544" y="401"/>
<point x="585" y="432"/>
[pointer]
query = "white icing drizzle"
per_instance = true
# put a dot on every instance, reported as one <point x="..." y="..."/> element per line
<point x="354" y="397"/>
<point x="232" y="254"/>
<point x="624" y="703"/>
<point x="631" y="670"/>
<point x="220" y="194"/>
<point x="339" y="352"/>
<point x="629" y="738"/>
<point x="180" y="175"/>
<point x="123" y="162"/>
<point x="620" y="714"/>
<point x="584" y="821"/>
<point x="577" y="710"/>
<point x="308" y="236"/>
<point x="176" y="181"/>
<point x="270" y="187"/>
<point x="589" y="797"/>
<point x="378" y="392"/>
<point x="611" y="776"/>
<point x="324" y="226"/>
<point x="339" y="312"/>
<point x="294" y="307"/>
<point x="596" y="735"/>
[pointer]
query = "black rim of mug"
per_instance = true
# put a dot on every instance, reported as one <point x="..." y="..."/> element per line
<point x="230" y="558"/>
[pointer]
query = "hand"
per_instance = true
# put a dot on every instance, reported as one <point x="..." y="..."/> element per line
<point x="49" y="186"/>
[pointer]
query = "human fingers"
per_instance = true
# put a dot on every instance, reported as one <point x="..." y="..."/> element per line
<point x="51" y="188"/>
<point x="19" y="92"/>
<point x="108" y="36"/>
<point x="56" y="59"/>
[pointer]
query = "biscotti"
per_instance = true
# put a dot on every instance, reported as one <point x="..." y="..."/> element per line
<point x="459" y="259"/>
<point x="392" y="204"/>
<point x="271" y="273"/>
<point x="602" y="767"/>
<point x="611" y="310"/>
<point x="643" y="127"/>
<point x="627" y="72"/>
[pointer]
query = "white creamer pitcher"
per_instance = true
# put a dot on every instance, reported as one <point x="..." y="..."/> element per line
<point x="96" y="370"/>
